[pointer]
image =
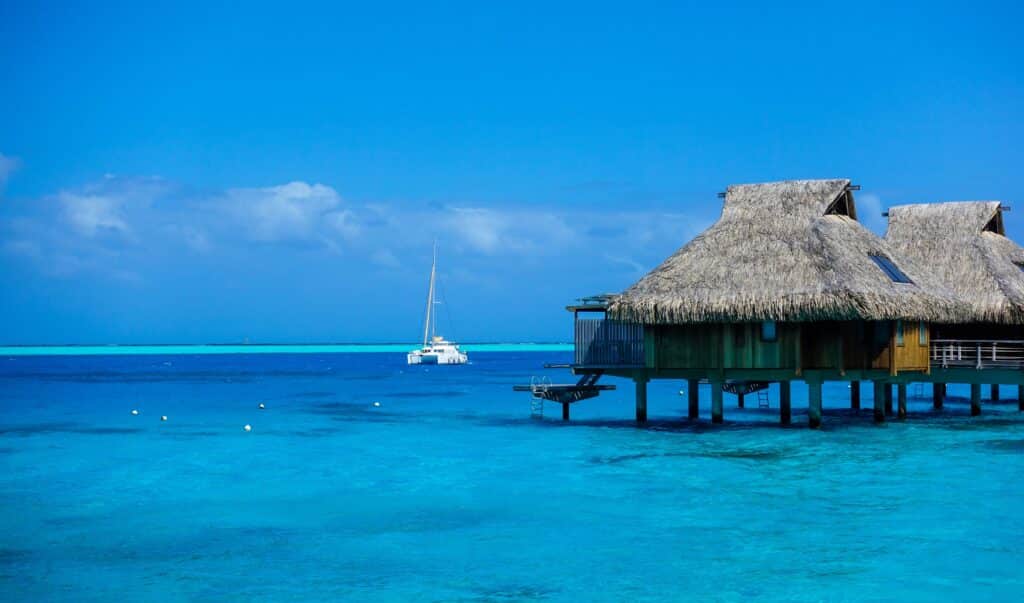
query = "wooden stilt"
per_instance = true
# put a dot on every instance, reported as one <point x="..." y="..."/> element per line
<point x="975" y="399"/>
<point x="739" y="400"/>
<point x="641" y="400"/>
<point x="887" y="396"/>
<point x="855" y="395"/>
<point x="938" y="395"/>
<point x="995" y="392"/>
<point x="814" y="404"/>
<point x="716" y="402"/>
<point x="785" y="403"/>
<point x="901" y="400"/>
<point x="693" y="397"/>
<point x="880" y="401"/>
<point x="565" y="411"/>
<point x="1020" y="398"/>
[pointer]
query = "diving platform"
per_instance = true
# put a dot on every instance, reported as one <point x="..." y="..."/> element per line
<point x="565" y="393"/>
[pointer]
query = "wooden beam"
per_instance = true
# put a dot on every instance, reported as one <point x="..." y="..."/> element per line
<point x="887" y="395"/>
<point x="901" y="395"/>
<point x="880" y="401"/>
<point x="641" y="400"/>
<point x="814" y="404"/>
<point x="938" y="395"/>
<point x="785" y="402"/>
<point x="995" y="392"/>
<point x="693" y="398"/>
<point x="855" y="395"/>
<point x="717" y="415"/>
<point x="975" y="399"/>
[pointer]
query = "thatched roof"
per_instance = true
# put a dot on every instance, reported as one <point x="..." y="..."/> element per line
<point x="964" y="245"/>
<point x="786" y="251"/>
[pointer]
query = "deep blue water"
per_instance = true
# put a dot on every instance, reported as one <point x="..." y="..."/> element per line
<point x="448" y="491"/>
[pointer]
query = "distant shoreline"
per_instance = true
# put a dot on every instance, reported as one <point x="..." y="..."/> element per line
<point x="258" y="348"/>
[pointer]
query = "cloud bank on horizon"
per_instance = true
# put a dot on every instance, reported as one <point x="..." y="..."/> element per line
<point x="129" y="239"/>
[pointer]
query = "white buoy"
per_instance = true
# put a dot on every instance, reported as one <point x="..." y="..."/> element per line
<point x="247" y="427"/>
<point x="135" y="411"/>
<point x="163" y="417"/>
<point x="262" y="406"/>
<point x="376" y="403"/>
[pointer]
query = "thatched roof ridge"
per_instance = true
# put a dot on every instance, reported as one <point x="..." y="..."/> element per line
<point x="964" y="244"/>
<point x="786" y="251"/>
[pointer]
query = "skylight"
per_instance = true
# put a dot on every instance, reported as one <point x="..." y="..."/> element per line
<point x="890" y="269"/>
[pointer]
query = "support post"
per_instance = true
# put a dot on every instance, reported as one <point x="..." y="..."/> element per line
<point x="814" y="404"/>
<point x="716" y="402"/>
<point x="1020" y="398"/>
<point x="995" y="392"/>
<point x="641" y="400"/>
<point x="855" y="395"/>
<point x="739" y="400"/>
<point x="887" y="395"/>
<point x="565" y="411"/>
<point x="975" y="399"/>
<point x="693" y="397"/>
<point x="879" y="401"/>
<point x="938" y="394"/>
<point x="901" y="400"/>
<point x="785" y="402"/>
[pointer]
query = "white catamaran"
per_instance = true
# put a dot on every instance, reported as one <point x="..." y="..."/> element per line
<point x="435" y="349"/>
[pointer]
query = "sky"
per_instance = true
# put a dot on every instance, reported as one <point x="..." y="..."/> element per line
<point x="195" y="172"/>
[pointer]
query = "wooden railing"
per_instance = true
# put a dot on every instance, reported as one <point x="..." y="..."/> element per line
<point x="609" y="343"/>
<point x="977" y="353"/>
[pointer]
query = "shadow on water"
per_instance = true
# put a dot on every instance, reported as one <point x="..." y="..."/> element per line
<point x="508" y="592"/>
<point x="1008" y="446"/>
<point x="753" y="454"/>
<point x="53" y="428"/>
<point x="357" y="411"/>
<point x="416" y="395"/>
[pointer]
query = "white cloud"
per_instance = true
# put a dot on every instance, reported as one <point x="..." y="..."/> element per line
<point x="482" y="229"/>
<point x="295" y="211"/>
<point x="8" y="165"/>
<point x="89" y="215"/>
<point x="493" y="231"/>
<point x="103" y="223"/>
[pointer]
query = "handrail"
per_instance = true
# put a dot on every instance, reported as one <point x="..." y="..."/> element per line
<point x="979" y="354"/>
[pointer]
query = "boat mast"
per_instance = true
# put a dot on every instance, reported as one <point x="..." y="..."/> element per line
<point x="430" y="298"/>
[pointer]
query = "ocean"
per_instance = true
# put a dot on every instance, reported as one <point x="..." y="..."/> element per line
<point x="364" y="479"/>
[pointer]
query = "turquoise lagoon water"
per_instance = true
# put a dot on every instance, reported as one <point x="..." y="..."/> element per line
<point x="449" y="491"/>
<point x="222" y="348"/>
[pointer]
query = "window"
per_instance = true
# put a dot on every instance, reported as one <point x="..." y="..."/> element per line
<point x="768" y="331"/>
<point x="922" y="334"/>
<point x="890" y="269"/>
<point x="899" y="333"/>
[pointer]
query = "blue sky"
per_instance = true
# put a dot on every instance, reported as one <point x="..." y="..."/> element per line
<point x="198" y="172"/>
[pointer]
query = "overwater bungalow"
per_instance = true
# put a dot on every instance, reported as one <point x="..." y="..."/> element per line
<point x="786" y="285"/>
<point x="965" y="246"/>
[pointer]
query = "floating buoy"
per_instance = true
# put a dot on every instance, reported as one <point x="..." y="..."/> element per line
<point x="262" y="405"/>
<point x="135" y="411"/>
<point x="376" y="403"/>
<point x="247" y="427"/>
<point x="163" y="417"/>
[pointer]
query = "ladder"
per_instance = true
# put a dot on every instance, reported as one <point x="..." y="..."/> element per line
<point x="538" y="387"/>
<point x="762" y="398"/>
